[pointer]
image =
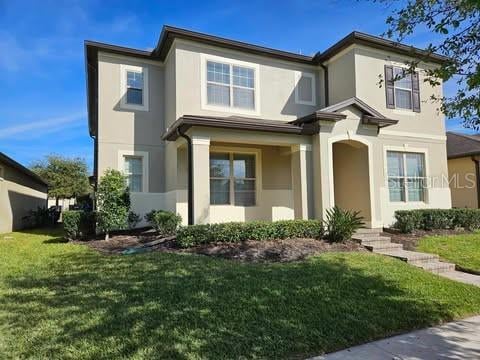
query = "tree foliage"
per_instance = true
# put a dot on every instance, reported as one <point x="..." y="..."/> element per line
<point x="455" y="25"/>
<point x="113" y="202"/>
<point x="66" y="178"/>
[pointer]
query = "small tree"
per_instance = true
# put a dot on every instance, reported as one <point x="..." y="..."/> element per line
<point x="113" y="202"/>
<point x="66" y="178"/>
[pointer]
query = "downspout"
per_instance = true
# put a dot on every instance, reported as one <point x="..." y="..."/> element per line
<point x="190" y="174"/>
<point x="325" y="82"/>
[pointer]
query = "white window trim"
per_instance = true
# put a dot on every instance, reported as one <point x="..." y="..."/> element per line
<point x="123" y="87"/>
<point x="145" y="165"/>
<point x="399" y="110"/>
<point x="203" y="73"/>
<point x="258" y="178"/>
<point x="298" y="76"/>
<point x="407" y="149"/>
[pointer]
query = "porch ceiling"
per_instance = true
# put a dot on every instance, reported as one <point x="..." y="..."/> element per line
<point x="237" y="122"/>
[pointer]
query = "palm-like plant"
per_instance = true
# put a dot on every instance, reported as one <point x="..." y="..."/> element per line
<point x="341" y="224"/>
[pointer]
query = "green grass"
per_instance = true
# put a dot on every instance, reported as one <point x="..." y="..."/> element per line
<point x="463" y="250"/>
<point x="61" y="300"/>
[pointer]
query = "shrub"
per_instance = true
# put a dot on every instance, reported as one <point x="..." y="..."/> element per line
<point x="133" y="219"/>
<point x="78" y="224"/>
<point x="437" y="219"/>
<point x="113" y="200"/>
<point x="256" y="230"/>
<point x="38" y="218"/>
<point x="164" y="222"/>
<point x="341" y="224"/>
<point x="408" y="220"/>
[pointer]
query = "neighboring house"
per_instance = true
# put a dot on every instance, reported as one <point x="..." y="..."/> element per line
<point x="21" y="190"/>
<point x="463" y="153"/>
<point x="220" y="130"/>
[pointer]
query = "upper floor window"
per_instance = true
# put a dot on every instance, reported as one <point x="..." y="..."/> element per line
<point x="134" y="87"/>
<point x="402" y="89"/>
<point x="230" y="85"/>
<point x="305" y="88"/>
<point x="406" y="176"/>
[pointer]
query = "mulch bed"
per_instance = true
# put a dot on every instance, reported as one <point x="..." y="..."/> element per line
<point x="248" y="251"/>
<point x="410" y="241"/>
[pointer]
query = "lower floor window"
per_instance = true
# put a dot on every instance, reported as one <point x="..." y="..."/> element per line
<point x="406" y="176"/>
<point x="133" y="170"/>
<point x="232" y="179"/>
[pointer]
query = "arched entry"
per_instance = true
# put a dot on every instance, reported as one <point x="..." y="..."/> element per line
<point x="351" y="177"/>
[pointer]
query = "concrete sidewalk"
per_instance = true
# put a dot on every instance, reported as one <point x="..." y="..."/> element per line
<point x="455" y="340"/>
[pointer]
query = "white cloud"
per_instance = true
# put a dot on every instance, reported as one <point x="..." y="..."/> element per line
<point x="42" y="127"/>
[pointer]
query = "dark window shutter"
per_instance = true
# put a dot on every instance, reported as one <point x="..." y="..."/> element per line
<point x="389" y="90"/>
<point x="415" y="92"/>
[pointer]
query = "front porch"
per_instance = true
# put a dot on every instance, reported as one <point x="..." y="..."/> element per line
<point x="241" y="176"/>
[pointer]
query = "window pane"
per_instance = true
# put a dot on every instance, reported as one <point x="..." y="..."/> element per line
<point x="243" y="77"/>
<point x="415" y="189"/>
<point x="396" y="189"/>
<point x="304" y="89"/>
<point x="415" y="167"/>
<point x="395" y="163"/>
<point x="218" y="72"/>
<point x="134" y="96"/>
<point x="403" y="99"/>
<point x="219" y="165"/>
<point x="135" y="79"/>
<point x="244" y="192"/>
<point x="244" y="166"/>
<point x="404" y="80"/>
<point x="219" y="191"/>
<point x="218" y="94"/>
<point x="243" y="98"/>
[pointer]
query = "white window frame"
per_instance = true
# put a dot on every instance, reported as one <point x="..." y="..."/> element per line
<point x="407" y="149"/>
<point x="204" y="58"/>
<point x="145" y="165"/>
<point x="123" y="87"/>
<point x="402" y="88"/>
<point x="258" y="180"/>
<point x="298" y="76"/>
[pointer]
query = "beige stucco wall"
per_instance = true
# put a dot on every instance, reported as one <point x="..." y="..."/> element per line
<point x="351" y="177"/>
<point x="341" y="77"/>
<point x="463" y="186"/>
<point x="18" y="195"/>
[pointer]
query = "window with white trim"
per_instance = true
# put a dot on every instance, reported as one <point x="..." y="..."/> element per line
<point x="230" y="85"/>
<point x="134" y="87"/>
<point x="232" y="179"/>
<point x="403" y="89"/>
<point x="305" y="88"/>
<point x="406" y="176"/>
<point x="133" y="170"/>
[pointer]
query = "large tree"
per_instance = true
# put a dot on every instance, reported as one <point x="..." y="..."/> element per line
<point x="455" y="28"/>
<point x="66" y="177"/>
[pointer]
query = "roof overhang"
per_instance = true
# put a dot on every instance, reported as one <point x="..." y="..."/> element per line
<point x="16" y="165"/>
<point x="238" y="123"/>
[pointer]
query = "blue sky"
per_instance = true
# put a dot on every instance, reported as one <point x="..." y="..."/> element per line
<point x="42" y="92"/>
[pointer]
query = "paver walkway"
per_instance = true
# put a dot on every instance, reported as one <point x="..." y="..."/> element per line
<point x="455" y="340"/>
<point x="462" y="277"/>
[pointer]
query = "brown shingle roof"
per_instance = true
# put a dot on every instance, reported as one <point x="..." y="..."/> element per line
<point x="460" y="145"/>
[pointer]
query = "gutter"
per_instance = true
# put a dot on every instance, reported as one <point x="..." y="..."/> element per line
<point x="190" y="174"/>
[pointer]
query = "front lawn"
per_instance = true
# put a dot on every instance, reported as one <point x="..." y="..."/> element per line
<point x="60" y="300"/>
<point x="463" y="250"/>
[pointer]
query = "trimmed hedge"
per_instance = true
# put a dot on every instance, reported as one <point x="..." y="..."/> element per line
<point x="437" y="219"/>
<point x="193" y="235"/>
<point x="164" y="222"/>
<point x="78" y="224"/>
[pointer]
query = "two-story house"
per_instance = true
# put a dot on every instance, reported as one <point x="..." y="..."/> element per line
<point x="220" y="130"/>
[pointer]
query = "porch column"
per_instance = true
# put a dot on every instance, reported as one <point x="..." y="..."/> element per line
<point x="302" y="181"/>
<point x="201" y="179"/>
